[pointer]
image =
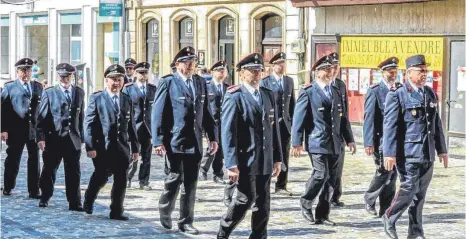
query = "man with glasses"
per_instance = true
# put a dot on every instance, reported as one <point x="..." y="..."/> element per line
<point x="180" y="113"/>
<point x="20" y="103"/>
<point x="412" y="133"/>
<point x="60" y="132"/>
<point x="384" y="182"/>
<point x="216" y="89"/>
<point x="129" y="66"/>
<point x="320" y="120"/>
<point x="251" y="143"/>
<point x="111" y="141"/>
<point x="283" y="88"/>
<point x="142" y="95"/>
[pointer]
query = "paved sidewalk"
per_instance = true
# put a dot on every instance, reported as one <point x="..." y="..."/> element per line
<point x="444" y="211"/>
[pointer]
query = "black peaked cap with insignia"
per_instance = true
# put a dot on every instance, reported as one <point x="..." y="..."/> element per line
<point x="142" y="67"/>
<point x="389" y="63"/>
<point x="323" y="62"/>
<point x="335" y="58"/>
<point x="219" y="65"/>
<point x="279" y="57"/>
<point x="130" y="62"/>
<point x="186" y="54"/>
<point x="65" y="69"/>
<point x="114" y="70"/>
<point x="416" y="60"/>
<point x="24" y="63"/>
<point x="252" y="61"/>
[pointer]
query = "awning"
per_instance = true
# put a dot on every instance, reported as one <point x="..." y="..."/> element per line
<point x="328" y="3"/>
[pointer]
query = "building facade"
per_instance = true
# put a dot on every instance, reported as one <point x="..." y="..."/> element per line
<point x="52" y="32"/>
<point x="218" y="30"/>
<point x="367" y="32"/>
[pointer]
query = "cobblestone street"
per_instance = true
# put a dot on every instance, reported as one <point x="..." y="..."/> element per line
<point x="22" y="218"/>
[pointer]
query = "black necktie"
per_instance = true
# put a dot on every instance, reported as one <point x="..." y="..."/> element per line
<point x="219" y="90"/>
<point x="328" y="93"/>
<point x="67" y="95"/>
<point x="188" y="82"/>
<point x="280" y="84"/>
<point x="28" y="90"/>
<point x="115" y="104"/>
<point x="143" y="89"/>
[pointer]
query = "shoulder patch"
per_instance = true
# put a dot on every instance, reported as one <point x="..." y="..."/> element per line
<point x="48" y="87"/>
<point x="10" y="81"/>
<point x="150" y="84"/>
<point x="373" y="86"/>
<point x="95" y="92"/>
<point x="233" y="88"/>
<point x="397" y="85"/>
<point x="307" y="85"/>
<point x="208" y="82"/>
<point x="265" y="88"/>
<point x="129" y="83"/>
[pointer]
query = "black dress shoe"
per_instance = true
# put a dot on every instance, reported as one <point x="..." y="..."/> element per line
<point x="129" y="184"/>
<point x="370" y="209"/>
<point x="390" y="230"/>
<point x="6" y="192"/>
<point x="145" y="188"/>
<point x="166" y="222"/>
<point x="89" y="209"/>
<point x="77" y="208"/>
<point x="219" y="180"/>
<point x="43" y="203"/>
<point x="189" y="229"/>
<point x="322" y="221"/>
<point x="34" y="195"/>
<point x="338" y="204"/>
<point x="307" y="214"/>
<point x="415" y="237"/>
<point x="120" y="217"/>
<point x="283" y="191"/>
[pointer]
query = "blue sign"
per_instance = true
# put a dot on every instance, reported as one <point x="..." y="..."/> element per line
<point x="110" y="8"/>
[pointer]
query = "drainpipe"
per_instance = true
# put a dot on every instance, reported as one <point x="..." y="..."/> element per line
<point x="123" y="22"/>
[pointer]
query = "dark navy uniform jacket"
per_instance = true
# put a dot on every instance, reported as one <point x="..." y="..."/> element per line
<point x="19" y="111"/>
<point x="250" y="134"/>
<point x="127" y="79"/>
<point x="58" y="118"/>
<point x="142" y="105"/>
<point x="178" y="117"/>
<point x="285" y="100"/>
<point x="215" y="99"/>
<point x="103" y="126"/>
<point x="374" y="106"/>
<point x="412" y="126"/>
<point x="320" y="121"/>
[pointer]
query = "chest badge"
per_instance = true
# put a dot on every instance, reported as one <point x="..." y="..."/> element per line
<point x="414" y="112"/>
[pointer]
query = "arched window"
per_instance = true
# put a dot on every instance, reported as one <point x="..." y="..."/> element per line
<point x="186" y="32"/>
<point x="226" y="44"/>
<point x="271" y="36"/>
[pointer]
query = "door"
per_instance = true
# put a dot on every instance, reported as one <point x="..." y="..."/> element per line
<point x="456" y="102"/>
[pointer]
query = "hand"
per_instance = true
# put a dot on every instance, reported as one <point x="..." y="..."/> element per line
<point x="213" y="147"/>
<point x="443" y="159"/>
<point x="135" y="157"/>
<point x="352" y="147"/>
<point x="369" y="150"/>
<point x="41" y="145"/>
<point x="233" y="174"/>
<point x="277" y="167"/>
<point x="160" y="150"/>
<point x="296" y="151"/>
<point x="389" y="162"/>
<point x="4" y="136"/>
<point x="92" y="154"/>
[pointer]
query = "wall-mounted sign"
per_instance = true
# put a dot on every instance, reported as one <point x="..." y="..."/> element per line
<point x="110" y="8"/>
<point x="188" y="29"/>
<point x="368" y="52"/>
<point x="230" y="31"/>
<point x="201" y="58"/>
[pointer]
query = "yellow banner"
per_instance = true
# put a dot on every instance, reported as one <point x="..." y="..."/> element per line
<point x="368" y="52"/>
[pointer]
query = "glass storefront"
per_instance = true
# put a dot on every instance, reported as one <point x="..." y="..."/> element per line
<point x="36" y="44"/>
<point x="107" y="45"/>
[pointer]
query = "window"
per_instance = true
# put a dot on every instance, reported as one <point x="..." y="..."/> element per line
<point x="186" y="32"/>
